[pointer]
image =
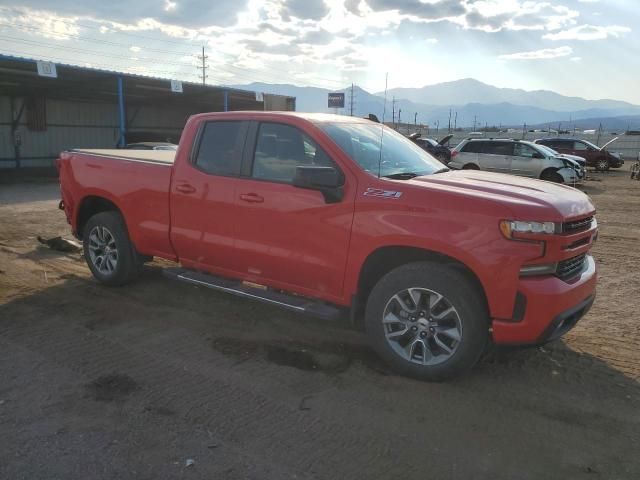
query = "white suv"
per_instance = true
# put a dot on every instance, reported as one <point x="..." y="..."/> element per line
<point x="517" y="158"/>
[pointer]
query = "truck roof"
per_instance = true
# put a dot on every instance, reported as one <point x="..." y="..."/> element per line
<point x="153" y="156"/>
<point x="311" y="117"/>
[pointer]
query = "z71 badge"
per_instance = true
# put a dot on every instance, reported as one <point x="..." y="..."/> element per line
<point x="378" y="192"/>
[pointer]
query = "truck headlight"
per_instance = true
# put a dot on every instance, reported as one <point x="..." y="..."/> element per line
<point x="509" y="227"/>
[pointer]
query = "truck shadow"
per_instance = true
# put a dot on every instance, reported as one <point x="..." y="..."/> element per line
<point x="244" y="331"/>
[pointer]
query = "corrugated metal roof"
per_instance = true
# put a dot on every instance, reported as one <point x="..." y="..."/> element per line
<point x="127" y="74"/>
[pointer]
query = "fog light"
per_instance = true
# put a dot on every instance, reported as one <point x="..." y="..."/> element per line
<point x="542" y="269"/>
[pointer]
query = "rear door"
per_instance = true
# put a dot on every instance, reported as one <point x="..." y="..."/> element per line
<point x="203" y="207"/>
<point x="289" y="237"/>
<point x="496" y="156"/>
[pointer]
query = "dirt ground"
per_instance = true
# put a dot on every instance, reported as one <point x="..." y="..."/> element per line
<point x="163" y="380"/>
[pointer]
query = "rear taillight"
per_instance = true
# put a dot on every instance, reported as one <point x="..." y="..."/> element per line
<point x="454" y="153"/>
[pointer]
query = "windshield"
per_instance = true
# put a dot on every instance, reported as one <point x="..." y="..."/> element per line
<point x="591" y="144"/>
<point x="547" y="150"/>
<point x="399" y="156"/>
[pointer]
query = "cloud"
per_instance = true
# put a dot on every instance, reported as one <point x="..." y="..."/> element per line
<point x="588" y="32"/>
<point x="545" y="53"/>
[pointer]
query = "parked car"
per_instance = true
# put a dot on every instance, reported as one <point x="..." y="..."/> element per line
<point x="517" y="158"/>
<point x="152" y="146"/>
<point x="579" y="160"/>
<point x="436" y="148"/>
<point x="597" y="157"/>
<point x="321" y="214"/>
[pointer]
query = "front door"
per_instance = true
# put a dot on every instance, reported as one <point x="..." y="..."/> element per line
<point x="526" y="161"/>
<point x="203" y="207"/>
<point x="288" y="237"/>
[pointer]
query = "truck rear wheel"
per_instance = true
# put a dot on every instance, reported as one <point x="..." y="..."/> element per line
<point x="109" y="253"/>
<point x="427" y="321"/>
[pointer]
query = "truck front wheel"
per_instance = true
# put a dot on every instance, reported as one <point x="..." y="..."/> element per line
<point x="427" y="321"/>
<point x="109" y="253"/>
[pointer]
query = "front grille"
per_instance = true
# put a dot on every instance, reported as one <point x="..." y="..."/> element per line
<point x="576" y="226"/>
<point x="570" y="267"/>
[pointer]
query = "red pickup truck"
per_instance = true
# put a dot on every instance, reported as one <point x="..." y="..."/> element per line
<point x="338" y="216"/>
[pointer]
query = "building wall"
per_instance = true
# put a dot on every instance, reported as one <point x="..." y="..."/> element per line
<point x="80" y="125"/>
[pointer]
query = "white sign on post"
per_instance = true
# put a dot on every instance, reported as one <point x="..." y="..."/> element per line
<point x="259" y="97"/>
<point x="176" y="86"/>
<point x="47" y="69"/>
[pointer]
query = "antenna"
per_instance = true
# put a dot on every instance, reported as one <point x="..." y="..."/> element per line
<point x="384" y="111"/>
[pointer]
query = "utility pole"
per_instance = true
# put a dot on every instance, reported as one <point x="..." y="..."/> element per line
<point x="351" y="102"/>
<point x="449" y="131"/>
<point x="415" y="118"/>
<point x="204" y="67"/>
<point x="399" y="113"/>
<point x="437" y="126"/>
<point x="475" y="118"/>
<point x="455" y="122"/>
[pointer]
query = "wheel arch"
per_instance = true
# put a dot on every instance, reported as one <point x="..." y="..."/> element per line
<point x="547" y="171"/>
<point x="384" y="259"/>
<point x="90" y="206"/>
<point x="471" y="166"/>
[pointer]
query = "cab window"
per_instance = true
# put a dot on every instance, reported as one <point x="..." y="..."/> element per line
<point x="220" y="147"/>
<point x="522" y="150"/>
<point x="498" y="148"/>
<point x="280" y="149"/>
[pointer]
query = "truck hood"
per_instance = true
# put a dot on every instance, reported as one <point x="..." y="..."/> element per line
<point x="528" y="199"/>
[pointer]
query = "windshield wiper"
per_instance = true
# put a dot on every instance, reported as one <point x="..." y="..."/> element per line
<point x="441" y="170"/>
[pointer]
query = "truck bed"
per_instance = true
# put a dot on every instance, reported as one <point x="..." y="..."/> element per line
<point x="153" y="156"/>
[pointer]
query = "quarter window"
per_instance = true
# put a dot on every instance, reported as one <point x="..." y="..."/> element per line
<point x="219" y="148"/>
<point x="580" y="146"/>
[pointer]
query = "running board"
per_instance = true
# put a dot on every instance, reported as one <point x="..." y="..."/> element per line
<point x="265" y="295"/>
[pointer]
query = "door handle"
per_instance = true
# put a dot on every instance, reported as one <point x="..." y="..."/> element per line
<point x="185" y="188"/>
<point x="251" y="198"/>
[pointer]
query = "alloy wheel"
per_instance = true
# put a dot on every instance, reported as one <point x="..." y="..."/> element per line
<point x="422" y="326"/>
<point x="103" y="251"/>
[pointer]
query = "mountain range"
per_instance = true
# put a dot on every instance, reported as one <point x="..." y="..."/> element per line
<point x="471" y="102"/>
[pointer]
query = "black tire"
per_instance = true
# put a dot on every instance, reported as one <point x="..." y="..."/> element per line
<point x="458" y="291"/>
<point x="129" y="263"/>
<point x="470" y="166"/>
<point x="602" y="165"/>
<point x="551" y="176"/>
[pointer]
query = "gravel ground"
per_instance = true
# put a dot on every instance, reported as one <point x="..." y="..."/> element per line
<point x="165" y="380"/>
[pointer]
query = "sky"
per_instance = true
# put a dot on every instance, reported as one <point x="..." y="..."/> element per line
<point x="585" y="48"/>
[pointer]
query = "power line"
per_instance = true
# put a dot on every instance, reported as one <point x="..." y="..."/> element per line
<point x="244" y="76"/>
<point x="18" y="26"/>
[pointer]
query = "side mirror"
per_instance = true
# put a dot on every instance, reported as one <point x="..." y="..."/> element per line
<point x="327" y="180"/>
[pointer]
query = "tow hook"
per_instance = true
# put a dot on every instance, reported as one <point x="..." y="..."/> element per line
<point x="61" y="205"/>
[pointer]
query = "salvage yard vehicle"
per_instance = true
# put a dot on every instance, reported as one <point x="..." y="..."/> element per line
<point x="517" y="157"/>
<point x="343" y="217"/>
<point x="436" y="148"/>
<point x="599" y="158"/>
